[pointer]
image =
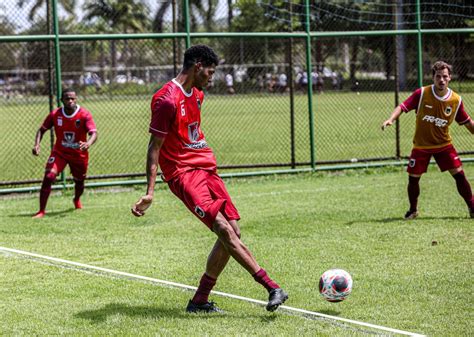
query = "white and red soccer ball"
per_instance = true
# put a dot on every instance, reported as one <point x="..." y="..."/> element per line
<point x="335" y="285"/>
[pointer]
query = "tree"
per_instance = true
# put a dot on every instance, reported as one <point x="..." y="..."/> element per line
<point x="67" y="5"/>
<point x="127" y="16"/>
<point x="199" y="11"/>
<point x="7" y="58"/>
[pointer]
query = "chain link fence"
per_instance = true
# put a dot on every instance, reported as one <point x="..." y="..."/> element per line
<point x="257" y="112"/>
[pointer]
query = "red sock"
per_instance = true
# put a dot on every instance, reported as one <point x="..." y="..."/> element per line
<point x="464" y="188"/>
<point x="262" y="278"/>
<point x="413" y="192"/>
<point x="46" y="190"/>
<point x="205" y="286"/>
<point x="78" y="189"/>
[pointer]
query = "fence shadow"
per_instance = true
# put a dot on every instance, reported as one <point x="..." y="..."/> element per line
<point x="401" y="219"/>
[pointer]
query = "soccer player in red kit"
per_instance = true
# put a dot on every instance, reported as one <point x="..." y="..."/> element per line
<point x="188" y="165"/>
<point x="72" y="125"/>
<point x="437" y="107"/>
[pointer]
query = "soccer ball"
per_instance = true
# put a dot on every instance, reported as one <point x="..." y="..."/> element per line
<point x="335" y="285"/>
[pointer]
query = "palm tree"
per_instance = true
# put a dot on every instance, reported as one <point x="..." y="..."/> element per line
<point x="197" y="10"/>
<point x="67" y="5"/>
<point x="129" y="16"/>
<point x="126" y="16"/>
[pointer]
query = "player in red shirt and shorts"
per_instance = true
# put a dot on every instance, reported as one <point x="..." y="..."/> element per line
<point x="177" y="144"/>
<point x="437" y="107"/>
<point x="72" y="125"/>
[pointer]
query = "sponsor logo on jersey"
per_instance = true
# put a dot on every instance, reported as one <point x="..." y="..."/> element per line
<point x="199" y="211"/>
<point x="439" y="122"/>
<point x="68" y="140"/>
<point x="202" y="144"/>
<point x="193" y="132"/>
<point x="77" y="123"/>
<point x="198" y="102"/>
<point x="412" y="162"/>
<point x="51" y="160"/>
<point x="60" y="121"/>
<point x="448" y="110"/>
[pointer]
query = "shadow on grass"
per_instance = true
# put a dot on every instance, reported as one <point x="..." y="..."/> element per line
<point x="400" y="219"/>
<point x="329" y="312"/>
<point x="48" y="214"/>
<point x="100" y="315"/>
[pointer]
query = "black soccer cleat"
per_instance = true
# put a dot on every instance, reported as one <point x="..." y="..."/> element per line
<point x="276" y="298"/>
<point x="209" y="307"/>
<point x="471" y="213"/>
<point x="410" y="215"/>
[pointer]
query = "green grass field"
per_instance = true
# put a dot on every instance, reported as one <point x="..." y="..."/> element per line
<point x="242" y="129"/>
<point x="298" y="226"/>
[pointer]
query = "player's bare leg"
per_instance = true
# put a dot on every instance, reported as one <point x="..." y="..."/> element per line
<point x="48" y="180"/>
<point x="230" y="239"/>
<point x="234" y="246"/>
<point x="217" y="260"/>
<point x="216" y="263"/>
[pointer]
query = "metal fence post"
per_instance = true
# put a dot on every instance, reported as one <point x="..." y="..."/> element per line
<point x="186" y="23"/>
<point x="420" y="50"/>
<point x="310" y="86"/>
<point x="57" y="66"/>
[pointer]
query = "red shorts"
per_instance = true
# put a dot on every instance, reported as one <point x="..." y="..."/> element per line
<point x="446" y="157"/>
<point x="204" y="194"/>
<point x="77" y="165"/>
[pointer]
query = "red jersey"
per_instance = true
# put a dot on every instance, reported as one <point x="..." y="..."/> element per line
<point x="70" y="130"/>
<point x="434" y="115"/>
<point x="176" y="117"/>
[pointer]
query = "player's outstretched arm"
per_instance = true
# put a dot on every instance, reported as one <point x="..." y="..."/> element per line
<point x="39" y="135"/>
<point x="153" y="153"/>
<point x="393" y="117"/>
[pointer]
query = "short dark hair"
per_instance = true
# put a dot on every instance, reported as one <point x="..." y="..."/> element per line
<point x="65" y="91"/>
<point x="200" y="53"/>
<point x="440" y="65"/>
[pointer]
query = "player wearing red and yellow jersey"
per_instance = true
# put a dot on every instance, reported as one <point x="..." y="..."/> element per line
<point x="179" y="147"/>
<point x="437" y="107"/>
<point x="72" y="126"/>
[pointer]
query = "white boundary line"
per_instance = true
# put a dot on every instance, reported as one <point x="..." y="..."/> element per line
<point x="184" y="286"/>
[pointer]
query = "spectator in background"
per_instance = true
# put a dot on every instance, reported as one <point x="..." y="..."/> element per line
<point x="304" y="81"/>
<point x="270" y="81"/>
<point x="282" y="82"/>
<point x="260" y="83"/>
<point x="239" y="75"/>
<point x="314" y="79"/>
<point x="334" y="81"/>
<point x="229" y="83"/>
<point x="298" y="77"/>
<point x="320" y="83"/>
<point x="340" y="80"/>
<point x="8" y="89"/>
